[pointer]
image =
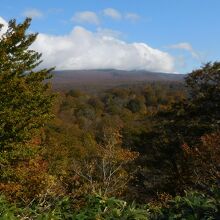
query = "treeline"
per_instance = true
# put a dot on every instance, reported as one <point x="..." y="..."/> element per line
<point x="149" y="151"/>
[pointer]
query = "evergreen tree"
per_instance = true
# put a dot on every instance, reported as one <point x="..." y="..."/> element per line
<point x="25" y="107"/>
<point x="25" y="100"/>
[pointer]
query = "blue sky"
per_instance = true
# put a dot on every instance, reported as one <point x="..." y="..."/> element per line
<point x="187" y="30"/>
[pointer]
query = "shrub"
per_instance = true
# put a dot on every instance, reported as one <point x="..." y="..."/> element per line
<point x="104" y="208"/>
<point x="193" y="205"/>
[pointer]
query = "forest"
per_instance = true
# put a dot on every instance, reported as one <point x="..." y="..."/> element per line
<point x="142" y="151"/>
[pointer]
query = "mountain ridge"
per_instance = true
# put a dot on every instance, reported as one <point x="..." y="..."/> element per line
<point x="65" y="79"/>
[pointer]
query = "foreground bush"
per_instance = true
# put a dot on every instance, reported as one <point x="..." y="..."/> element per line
<point x="193" y="205"/>
<point x="95" y="208"/>
<point x="109" y="209"/>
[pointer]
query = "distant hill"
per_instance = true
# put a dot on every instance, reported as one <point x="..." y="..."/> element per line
<point x="85" y="79"/>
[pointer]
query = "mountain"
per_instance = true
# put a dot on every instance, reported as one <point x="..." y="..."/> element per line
<point x="85" y="79"/>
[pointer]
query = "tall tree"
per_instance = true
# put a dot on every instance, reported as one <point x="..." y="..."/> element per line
<point x="25" y="101"/>
<point x="180" y="128"/>
<point x="25" y="107"/>
<point x="204" y="91"/>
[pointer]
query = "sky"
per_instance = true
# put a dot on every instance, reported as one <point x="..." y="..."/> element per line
<point x="157" y="35"/>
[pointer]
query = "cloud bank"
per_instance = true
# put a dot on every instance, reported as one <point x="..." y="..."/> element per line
<point x="83" y="49"/>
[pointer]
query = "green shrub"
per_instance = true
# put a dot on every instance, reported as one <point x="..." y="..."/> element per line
<point x="193" y="205"/>
<point x="102" y="208"/>
<point x="7" y="211"/>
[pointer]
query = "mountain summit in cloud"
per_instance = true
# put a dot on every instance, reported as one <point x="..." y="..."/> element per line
<point x="83" y="49"/>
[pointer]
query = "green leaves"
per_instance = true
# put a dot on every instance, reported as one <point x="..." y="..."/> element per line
<point x="25" y="99"/>
<point x="25" y="108"/>
<point x="194" y="205"/>
<point x="103" y="208"/>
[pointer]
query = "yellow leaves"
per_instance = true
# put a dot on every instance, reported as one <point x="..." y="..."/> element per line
<point x="204" y="158"/>
<point x="30" y="179"/>
<point x="113" y="151"/>
<point x="104" y="171"/>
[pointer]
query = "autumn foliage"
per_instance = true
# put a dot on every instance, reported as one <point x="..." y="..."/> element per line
<point x="157" y="143"/>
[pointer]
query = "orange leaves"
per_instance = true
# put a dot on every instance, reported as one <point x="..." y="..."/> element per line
<point x="29" y="179"/>
<point x="187" y="150"/>
<point x="212" y="142"/>
<point x="11" y="189"/>
<point x="203" y="159"/>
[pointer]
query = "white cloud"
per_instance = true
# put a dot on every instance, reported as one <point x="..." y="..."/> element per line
<point x="109" y="32"/>
<point x="33" y="13"/>
<point x="132" y="17"/>
<point x="82" y="49"/>
<point x="187" y="47"/>
<point x="86" y="17"/>
<point x="113" y="13"/>
<point x="5" y="26"/>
